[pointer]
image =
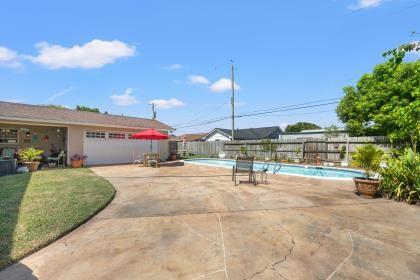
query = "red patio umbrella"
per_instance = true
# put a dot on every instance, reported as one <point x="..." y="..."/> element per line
<point x="150" y="134"/>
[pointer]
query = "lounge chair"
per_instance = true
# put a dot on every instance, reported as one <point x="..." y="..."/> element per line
<point x="244" y="165"/>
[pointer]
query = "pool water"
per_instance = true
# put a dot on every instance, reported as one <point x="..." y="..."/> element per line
<point x="332" y="173"/>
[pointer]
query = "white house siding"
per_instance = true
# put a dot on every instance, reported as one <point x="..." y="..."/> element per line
<point x="217" y="137"/>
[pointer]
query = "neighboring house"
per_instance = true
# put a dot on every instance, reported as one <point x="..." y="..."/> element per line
<point x="104" y="138"/>
<point x="189" y="137"/>
<point x="310" y="134"/>
<point x="220" y="134"/>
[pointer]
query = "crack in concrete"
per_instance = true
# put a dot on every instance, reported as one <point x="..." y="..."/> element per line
<point x="223" y="246"/>
<point x="274" y="264"/>
<point x="345" y="260"/>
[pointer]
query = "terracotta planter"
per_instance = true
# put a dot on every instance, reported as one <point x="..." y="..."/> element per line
<point x="173" y="157"/>
<point x="76" y="163"/>
<point x="32" y="165"/>
<point x="366" y="188"/>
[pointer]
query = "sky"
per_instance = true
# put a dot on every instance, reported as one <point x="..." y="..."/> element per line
<point x="120" y="56"/>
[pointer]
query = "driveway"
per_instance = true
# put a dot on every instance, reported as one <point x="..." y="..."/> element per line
<point x="190" y="222"/>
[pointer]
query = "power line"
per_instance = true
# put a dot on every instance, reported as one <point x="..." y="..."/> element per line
<point x="262" y="112"/>
<point x="200" y="116"/>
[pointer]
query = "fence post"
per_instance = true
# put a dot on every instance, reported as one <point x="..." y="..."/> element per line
<point x="303" y="149"/>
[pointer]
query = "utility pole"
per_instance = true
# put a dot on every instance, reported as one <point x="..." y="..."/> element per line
<point x="153" y="111"/>
<point x="232" y="78"/>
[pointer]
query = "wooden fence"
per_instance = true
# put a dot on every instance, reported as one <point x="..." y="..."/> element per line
<point x="328" y="149"/>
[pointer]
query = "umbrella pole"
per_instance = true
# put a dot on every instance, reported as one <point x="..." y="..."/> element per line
<point x="151" y="145"/>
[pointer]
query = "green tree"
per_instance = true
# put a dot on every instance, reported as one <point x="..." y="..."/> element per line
<point x="298" y="127"/>
<point x="87" y="109"/>
<point x="332" y="131"/>
<point x="385" y="102"/>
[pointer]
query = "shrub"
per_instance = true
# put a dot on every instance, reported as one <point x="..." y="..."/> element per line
<point x="30" y="154"/>
<point x="369" y="158"/>
<point x="243" y="150"/>
<point x="401" y="177"/>
<point x="77" y="157"/>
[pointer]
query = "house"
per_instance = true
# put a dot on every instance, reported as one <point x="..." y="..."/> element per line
<point x="104" y="138"/>
<point x="189" y="137"/>
<point x="220" y="134"/>
<point x="310" y="134"/>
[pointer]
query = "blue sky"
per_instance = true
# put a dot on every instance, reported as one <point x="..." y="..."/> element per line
<point x="119" y="56"/>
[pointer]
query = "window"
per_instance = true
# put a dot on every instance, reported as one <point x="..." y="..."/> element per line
<point x="114" y="135"/>
<point x="8" y="135"/>
<point x="95" y="134"/>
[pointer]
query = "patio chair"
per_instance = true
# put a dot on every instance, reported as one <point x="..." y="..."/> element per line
<point x="151" y="159"/>
<point x="136" y="160"/>
<point x="59" y="158"/>
<point x="244" y="166"/>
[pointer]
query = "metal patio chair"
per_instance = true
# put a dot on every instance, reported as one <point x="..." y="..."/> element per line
<point x="244" y="166"/>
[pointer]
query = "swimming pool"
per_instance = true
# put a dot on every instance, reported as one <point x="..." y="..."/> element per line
<point x="290" y="169"/>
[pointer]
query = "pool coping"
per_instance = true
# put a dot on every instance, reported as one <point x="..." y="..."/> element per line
<point x="190" y="161"/>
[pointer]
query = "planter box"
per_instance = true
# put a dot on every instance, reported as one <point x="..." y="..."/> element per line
<point x="366" y="188"/>
<point x="32" y="165"/>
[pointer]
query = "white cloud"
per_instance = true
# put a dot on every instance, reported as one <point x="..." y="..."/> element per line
<point x="176" y="82"/>
<point x="60" y="93"/>
<point x="223" y="85"/>
<point x="94" y="54"/>
<point x="18" y="100"/>
<point x="364" y="4"/>
<point x="175" y="66"/>
<point x="195" y="79"/>
<point x="167" y="103"/>
<point x="9" y="58"/>
<point x="125" y="99"/>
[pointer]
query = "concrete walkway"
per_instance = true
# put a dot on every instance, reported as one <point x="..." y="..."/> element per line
<point x="190" y="222"/>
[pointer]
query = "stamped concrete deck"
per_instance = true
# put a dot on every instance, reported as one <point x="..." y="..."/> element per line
<point x="189" y="222"/>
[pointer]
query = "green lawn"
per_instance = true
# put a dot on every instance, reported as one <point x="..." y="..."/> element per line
<point x="37" y="208"/>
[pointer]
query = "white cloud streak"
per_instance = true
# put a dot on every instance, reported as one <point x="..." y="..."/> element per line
<point x="94" y="54"/>
<point x="175" y="66"/>
<point x="223" y="85"/>
<point x="125" y="99"/>
<point x="195" y="79"/>
<point x="365" y="4"/>
<point x="9" y="58"/>
<point x="167" y="103"/>
<point x="60" y="93"/>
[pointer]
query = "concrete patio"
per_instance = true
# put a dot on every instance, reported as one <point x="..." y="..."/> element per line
<point x="190" y="222"/>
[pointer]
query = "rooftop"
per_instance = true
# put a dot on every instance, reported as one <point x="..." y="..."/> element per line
<point x="39" y="113"/>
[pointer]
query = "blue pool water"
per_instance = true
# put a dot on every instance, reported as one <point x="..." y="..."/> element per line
<point x="288" y="169"/>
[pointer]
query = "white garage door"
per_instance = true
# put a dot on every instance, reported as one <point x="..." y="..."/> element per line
<point x="112" y="148"/>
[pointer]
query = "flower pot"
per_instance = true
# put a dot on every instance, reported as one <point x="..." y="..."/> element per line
<point x="366" y="188"/>
<point x="32" y="165"/>
<point x="52" y="164"/>
<point x="296" y="159"/>
<point x="173" y="157"/>
<point x="76" y="163"/>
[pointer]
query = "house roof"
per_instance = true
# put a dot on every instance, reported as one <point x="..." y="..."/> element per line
<point x="190" y="137"/>
<point x="249" y="133"/>
<point x="36" y="113"/>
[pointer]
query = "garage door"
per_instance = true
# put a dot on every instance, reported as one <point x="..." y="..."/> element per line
<point x="112" y="148"/>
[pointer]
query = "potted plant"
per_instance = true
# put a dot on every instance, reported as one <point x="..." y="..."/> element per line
<point x="30" y="157"/>
<point x="296" y="158"/>
<point x="369" y="158"/>
<point x="77" y="160"/>
<point x="243" y="151"/>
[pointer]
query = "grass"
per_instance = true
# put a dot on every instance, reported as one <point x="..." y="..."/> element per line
<point x="38" y="208"/>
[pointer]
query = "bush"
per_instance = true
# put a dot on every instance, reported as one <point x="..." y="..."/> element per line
<point x="369" y="158"/>
<point x="30" y="154"/>
<point x="401" y="177"/>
